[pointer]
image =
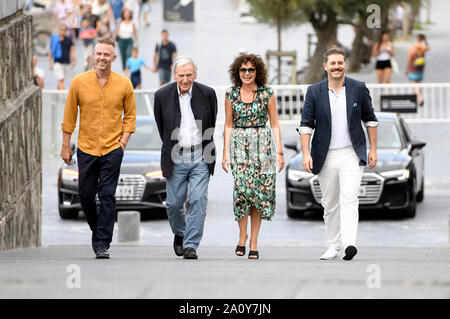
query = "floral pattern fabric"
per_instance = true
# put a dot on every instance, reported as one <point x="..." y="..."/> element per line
<point x="252" y="154"/>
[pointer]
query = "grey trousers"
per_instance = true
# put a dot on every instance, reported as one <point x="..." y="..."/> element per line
<point x="189" y="180"/>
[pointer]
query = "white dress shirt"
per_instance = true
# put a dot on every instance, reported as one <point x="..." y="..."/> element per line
<point x="340" y="136"/>
<point x="189" y="134"/>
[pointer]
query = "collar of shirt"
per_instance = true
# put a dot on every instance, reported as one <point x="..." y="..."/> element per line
<point x="189" y="92"/>
<point x="336" y="95"/>
<point x="96" y="76"/>
<point x="343" y="87"/>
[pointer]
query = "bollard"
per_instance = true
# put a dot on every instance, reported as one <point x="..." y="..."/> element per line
<point x="129" y="224"/>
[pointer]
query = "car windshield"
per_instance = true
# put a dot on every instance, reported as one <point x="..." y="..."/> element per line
<point x="388" y="135"/>
<point x="145" y="138"/>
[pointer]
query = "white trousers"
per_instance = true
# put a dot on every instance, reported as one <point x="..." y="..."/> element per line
<point x="340" y="179"/>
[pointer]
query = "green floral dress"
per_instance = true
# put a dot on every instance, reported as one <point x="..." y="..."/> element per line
<point x="252" y="154"/>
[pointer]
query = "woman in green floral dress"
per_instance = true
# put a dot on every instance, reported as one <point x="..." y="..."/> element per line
<point x="249" y="147"/>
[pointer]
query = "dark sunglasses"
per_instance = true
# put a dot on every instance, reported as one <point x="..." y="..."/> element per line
<point x="250" y="70"/>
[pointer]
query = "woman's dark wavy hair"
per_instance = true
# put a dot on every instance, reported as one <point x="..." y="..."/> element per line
<point x="261" y="71"/>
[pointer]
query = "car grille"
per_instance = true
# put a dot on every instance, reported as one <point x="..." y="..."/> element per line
<point x="373" y="184"/>
<point x="135" y="182"/>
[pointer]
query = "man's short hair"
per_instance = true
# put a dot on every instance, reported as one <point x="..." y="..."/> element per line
<point x="165" y="30"/>
<point x="183" y="60"/>
<point x="421" y="36"/>
<point x="332" y="51"/>
<point x="106" y="40"/>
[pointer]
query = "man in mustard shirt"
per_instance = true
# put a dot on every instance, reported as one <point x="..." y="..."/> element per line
<point x="102" y="95"/>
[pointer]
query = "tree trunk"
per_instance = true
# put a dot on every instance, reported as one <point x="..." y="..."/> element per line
<point x="356" y="58"/>
<point x="415" y="11"/>
<point x="325" y="36"/>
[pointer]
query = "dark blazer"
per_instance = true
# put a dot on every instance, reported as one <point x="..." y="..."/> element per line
<point x="316" y="114"/>
<point x="168" y="117"/>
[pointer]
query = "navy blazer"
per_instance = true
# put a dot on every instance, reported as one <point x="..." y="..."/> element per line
<point x="168" y="117"/>
<point x="316" y="114"/>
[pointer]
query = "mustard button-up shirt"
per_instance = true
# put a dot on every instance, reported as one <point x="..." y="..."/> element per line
<point x="101" y="108"/>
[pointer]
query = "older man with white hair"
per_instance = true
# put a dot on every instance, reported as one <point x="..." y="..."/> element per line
<point x="185" y="113"/>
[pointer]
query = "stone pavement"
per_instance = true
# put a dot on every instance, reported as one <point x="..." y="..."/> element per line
<point x="138" y="271"/>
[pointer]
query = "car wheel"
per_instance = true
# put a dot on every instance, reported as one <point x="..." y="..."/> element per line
<point x="293" y="213"/>
<point x="410" y="212"/>
<point x="68" y="213"/>
<point x="420" y="194"/>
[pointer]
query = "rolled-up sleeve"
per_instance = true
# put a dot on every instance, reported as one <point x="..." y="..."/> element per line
<point x="129" y="110"/>
<point x="371" y="124"/>
<point x="368" y="115"/>
<point x="71" y="109"/>
<point x="307" y="123"/>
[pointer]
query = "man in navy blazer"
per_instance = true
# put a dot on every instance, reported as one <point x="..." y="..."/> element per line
<point x="333" y="110"/>
<point x="185" y="113"/>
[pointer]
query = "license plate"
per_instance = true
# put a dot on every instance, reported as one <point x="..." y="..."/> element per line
<point x="124" y="191"/>
<point x="362" y="191"/>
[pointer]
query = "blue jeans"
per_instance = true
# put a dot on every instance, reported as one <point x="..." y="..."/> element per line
<point x="189" y="179"/>
<point x="99" y="174"/>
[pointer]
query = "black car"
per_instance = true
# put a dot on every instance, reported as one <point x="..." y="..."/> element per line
<point x="141" y="185"/>
<point x="396" y="183"/>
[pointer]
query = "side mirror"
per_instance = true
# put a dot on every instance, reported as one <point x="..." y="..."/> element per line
<point x="416" y="144"/>
<point x="291" y="146"/>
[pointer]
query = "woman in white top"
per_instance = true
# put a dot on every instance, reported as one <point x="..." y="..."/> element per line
<point x="383" y="50"/>
<point x="103" y="10"/>
<point x="125" y="32"/>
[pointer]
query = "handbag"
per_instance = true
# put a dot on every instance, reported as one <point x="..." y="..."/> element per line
<point x="394" y="65"/>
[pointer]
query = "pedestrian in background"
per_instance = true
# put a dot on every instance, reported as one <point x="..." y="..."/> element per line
<point x="117" y="8"/>
<point x="86" y="12"/>
<point x="125" y="32"/>
<point x="38" y="74"/>
<point x="106" y="21"/>
<point x="61" y="11"/>
<point x="383" y="51"/>
<point x="415" y="64"/>
<point x="249" y="148"/>
<point x="145" y="10"/>
<point x="334" y="109"/>
<point x="133" y="68"/>
<point x="185" y="113"/>
<point x="87" y="35"/>
<point x="133" y="6"/>
<point x="165" y="53"/>
<point x="102" y="95"/>
<point x="62" y="56"/>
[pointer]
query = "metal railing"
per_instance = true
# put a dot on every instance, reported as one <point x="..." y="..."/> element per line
<point x="290" y="100"/>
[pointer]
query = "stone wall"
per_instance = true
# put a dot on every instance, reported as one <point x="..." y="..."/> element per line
<point x="20" y="132"/>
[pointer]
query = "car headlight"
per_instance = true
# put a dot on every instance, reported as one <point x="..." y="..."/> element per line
<point x="70" y="174"/>
<point x="154" y="174"/>
<point x="400" y="174"/>
<point x="296" y="175"/>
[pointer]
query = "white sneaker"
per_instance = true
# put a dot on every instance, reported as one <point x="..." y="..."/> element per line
<point x="331" y="253"/>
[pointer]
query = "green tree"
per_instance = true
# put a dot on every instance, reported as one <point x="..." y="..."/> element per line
<point x="325" y="17"/>
<point x="279" y="13"/>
